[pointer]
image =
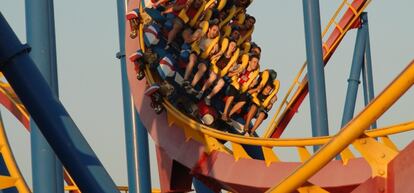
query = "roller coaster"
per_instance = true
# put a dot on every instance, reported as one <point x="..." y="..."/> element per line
<point x="213" y="152"/>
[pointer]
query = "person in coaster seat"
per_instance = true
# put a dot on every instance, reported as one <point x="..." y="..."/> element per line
<point x="220" y="68"/>
<point x="159" y="3"/>
<point x="256" y="86"/>
<point x="255" y="49"/>
<point x="202" y="50"/>
<point x="240" y="84"/>
<point x="246" y="29"/>
<point x="216" y="68"/>
<point x="192" y="7"/>
<point x="261" y="103"/>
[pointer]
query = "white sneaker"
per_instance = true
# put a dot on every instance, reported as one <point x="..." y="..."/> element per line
<point x="199" y="94"/>
<point x="207" y="100"/>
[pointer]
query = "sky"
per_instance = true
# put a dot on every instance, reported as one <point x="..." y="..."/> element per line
<point x="90" y="82"/>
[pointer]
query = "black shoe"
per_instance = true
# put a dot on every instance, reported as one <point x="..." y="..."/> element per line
<point x="140" y="75"/>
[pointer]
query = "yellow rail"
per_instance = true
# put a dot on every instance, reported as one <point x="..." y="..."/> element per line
<point x="9" y="92"/>
<point x="15" y="179"/>
<point x="364" y="144"/>
<point x="352" y="131"/>
<point x="299" y="85"/>
<point x="210" y="136"/>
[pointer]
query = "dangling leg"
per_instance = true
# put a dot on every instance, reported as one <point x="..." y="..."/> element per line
<point x="209" y="81"/>
<point x="229" y="100"/>
<point x="250" y="115"/>
<point x="177" y="27"/>
<point x="202" y="68"/>
<point x="236" y="108"/>
<point x="190" y="66"/>
<point x="262" y="116"/>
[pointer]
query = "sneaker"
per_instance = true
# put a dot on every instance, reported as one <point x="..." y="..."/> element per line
<point x="167" y="47"/>
<point x="207" y="100"/>
<point x="200" y="94"/>
<point x="185" y="83"/>
<point x="189" y="89"/>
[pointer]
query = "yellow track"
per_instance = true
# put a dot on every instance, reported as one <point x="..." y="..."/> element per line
<point x="15" y="178"/>
<point x="364" y="144"/>
<point x="351" y="132"/>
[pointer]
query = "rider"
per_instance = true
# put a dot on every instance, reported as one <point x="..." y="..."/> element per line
<point x="192" y="7"/>
<point x="262" y="103"/>
<point x="240" y="83"/>
<point x="206" y="42"/>
<point x="220" y="65"/>
<point x="220" y="69"/>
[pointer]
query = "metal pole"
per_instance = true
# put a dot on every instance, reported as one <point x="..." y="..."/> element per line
<point x="143" y="154"/>
<point x="40" y="33"/>
<point x="52" y="118"/>
<point x="355" y="74"/>
<point x="367" y="78"/>
<point x="316" y="75"/>
<point x="136" y="137"/>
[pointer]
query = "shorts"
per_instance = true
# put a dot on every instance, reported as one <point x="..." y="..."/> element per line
<point x="244" y="97"/>
<point x="206" y="62"/>
<point x="261" y="110"/>
<point x="231" y="91"/>
<point x="179" y="22"/>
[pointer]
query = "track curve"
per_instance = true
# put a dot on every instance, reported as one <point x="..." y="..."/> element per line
<point x="221" y="166"/>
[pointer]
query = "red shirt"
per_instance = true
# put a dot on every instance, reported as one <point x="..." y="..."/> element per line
<point x="179" y="2"/>
<point x="244" y="77"/>
<point x="191" y="12"/>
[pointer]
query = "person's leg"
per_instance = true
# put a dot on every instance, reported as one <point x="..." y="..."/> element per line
<point x="190" y="66"/>
<point x="220" y="84"/>
<point x="209" y="82"/>
<point x="259" y="120"/>
<point x="202" y="68"/>
<point x="236" y="108"/>
<point x="250" y="115"/>
<point x="229" y="100"/>
<point x="187" y="36"/>
<point x="174" y="31"/>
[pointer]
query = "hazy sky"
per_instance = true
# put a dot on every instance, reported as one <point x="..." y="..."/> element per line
<point x="90" y="84"/>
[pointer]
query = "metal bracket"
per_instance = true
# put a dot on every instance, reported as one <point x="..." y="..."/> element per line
<point x="120" y="55"/>
<point x="13" y="52"/>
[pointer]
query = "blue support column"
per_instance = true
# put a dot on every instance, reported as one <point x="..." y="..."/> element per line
<point x="367" y="79"/>
<point x="317" y="92"/>
<point x="40" y="33"/>
<point x="143" y="155"/>
<point x="52" y="118"/>
<point x="136" y="137"/>
<point x="355" y="74"/>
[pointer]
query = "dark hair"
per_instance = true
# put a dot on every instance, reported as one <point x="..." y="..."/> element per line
<point x="255" y="56"/>
<point x="212" y="23"/>
<point x="254" y="45"/>
<point x="272" y="74"/>
<point x="215" y="14"/>
<point x="235" y="27"/>
<point x="250" y="17"/>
